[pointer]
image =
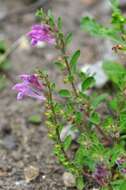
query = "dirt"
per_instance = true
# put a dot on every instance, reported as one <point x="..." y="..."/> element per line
<point x="21" y="143"/>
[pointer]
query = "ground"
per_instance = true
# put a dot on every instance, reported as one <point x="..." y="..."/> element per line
<point x="22" y="143"/>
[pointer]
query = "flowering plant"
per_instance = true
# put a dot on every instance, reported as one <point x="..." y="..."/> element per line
<point x="99" y="157"/>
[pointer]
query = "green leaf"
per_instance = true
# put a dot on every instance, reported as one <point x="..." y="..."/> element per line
<point x="95" y="118"/>
<point x="3" y="82"/>
<point x="2" y="47"/>
<point x="68" y="38"/>
<point x="64" y="93"/>
<point x="119" y="184"/>
<point x="80" y="183"/>
<point x="123" y="120"/>
<point x="74" y="60"/>
<point x="96" y="29"/>
<point x="79" y="156"/>
<point x="116" y="72"/>
<point x="114" y="4"/>
<point x="98" y="100"/>
<point x="67" y="142"/>
<point x="40" y="13"/>
<point x="88" y="83"/>
<point x="113" y="104"/>
<point x="35" y="119"/>
<point x="60" y="23"/>
<point x="60" y="65"/>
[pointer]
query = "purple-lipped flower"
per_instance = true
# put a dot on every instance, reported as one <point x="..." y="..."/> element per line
<point x="30" y="86"/>
<point x="101" y="174"/>
<point x="121" y="162"/>
<point x="41" y="33"/>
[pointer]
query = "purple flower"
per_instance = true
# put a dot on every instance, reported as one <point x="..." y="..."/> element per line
<point x="101" y="174"/>
<point x="121" y="162"/>
<point x="29" y="87"/>
<point x="41" y="33"/>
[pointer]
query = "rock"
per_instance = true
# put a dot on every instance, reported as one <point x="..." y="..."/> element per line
<point x="98" y="72"/>
<point x="66" y="131"/>
<point x="68" y="179"/>
<point x="31" y="173"/>
<point x="9" y="142"/>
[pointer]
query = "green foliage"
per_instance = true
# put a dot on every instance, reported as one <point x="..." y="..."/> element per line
<point x="4" y="66"/>
<point x="35" y="119"/>
<point x="74" y="60"/>
<point x="64" y="93"/>
<point x="80" y="183"/>
<point x="68" y="38"/>
<point x="116" y="73"/>
<point x="88" y="83"/>
<point x="98" y="116"/>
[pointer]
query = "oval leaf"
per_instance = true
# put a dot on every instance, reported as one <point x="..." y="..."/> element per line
<point x="64" y="93"/>
<point x="89" y="82"/>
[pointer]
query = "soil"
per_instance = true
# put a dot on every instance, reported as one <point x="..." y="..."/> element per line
<point x="21" y="143"/>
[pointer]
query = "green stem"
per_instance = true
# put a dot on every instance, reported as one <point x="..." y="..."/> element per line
<point x="55" y="118"/>
<point x="68" y="69"/>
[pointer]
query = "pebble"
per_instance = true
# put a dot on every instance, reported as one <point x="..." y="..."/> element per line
<point x="9" y="142"/>
<point x="69" y="179"/>
<point x="31" y="173"/>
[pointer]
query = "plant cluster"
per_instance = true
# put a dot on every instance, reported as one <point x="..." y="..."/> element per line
<point x="100" y="155"/>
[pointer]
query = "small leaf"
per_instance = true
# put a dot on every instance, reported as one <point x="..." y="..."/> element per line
<point x="88" y="83"/>
<point x="68" y="38"/>
<point x="74" y="60"/>
<point x="80" y="183"/>
<point x="64" y="93"/>
<point x="35" y="119"/>
<point x="113" y="104"/>
<point x="98" y="100"/>
<point x="116" y="72"/>
<point x="60" y="23"/>
<point x="67" y="142"/>
<point x="60" y="65"/>
<point x="95" y="118"/>
<point x="95" y="29"/>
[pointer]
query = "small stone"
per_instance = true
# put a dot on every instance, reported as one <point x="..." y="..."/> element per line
<point x="69" y="179"/>
<point x="3" y="172"/>
<point x="9" y="142"/>
<point x="31" y="173"/>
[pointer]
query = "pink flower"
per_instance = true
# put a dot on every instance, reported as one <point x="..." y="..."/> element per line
<point x="41" y="33"/>
<point x="121" y="162"/>
<point x="101" y="174"/>
<point x="29" y="87"/>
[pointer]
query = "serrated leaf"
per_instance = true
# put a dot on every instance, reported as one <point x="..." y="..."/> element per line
<point x="88" y="83"/>
<point x="67" y="142"/>
<point x="74" y="60"/>
<point x="64" y="93"/>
